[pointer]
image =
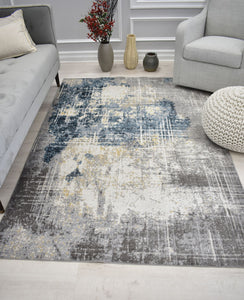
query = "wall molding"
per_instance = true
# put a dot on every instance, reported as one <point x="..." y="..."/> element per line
<point x="133" y="20"/>
<point x="81" y="41"/>
<point x="143" y="4"/>
<point x="79" y="56"/>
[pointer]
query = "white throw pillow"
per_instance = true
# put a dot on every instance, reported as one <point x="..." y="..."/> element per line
<point x="14" y="37"/>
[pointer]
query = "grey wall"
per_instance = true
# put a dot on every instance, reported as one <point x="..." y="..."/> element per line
<point x="4" y="2"/>
<point x="153" y="22"/>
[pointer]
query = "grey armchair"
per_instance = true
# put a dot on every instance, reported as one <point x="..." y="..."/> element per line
<point x="209" y="51"/>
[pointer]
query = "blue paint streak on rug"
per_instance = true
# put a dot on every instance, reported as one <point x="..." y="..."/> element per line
<point x="122" y="171"/>
<point x="123" y="129"/>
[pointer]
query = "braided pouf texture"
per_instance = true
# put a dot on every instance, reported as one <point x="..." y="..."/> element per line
<point x="223" y="118"/>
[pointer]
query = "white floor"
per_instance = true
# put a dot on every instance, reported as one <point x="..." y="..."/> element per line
<point x="57" y="280"/>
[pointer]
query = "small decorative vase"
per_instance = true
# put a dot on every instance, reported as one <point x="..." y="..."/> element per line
<point x="130" y="55"/>
<point x="150" y="62"/>
<point x="105" y="56"/>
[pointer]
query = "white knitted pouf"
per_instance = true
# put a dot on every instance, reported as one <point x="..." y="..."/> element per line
<point x="223" y="118"/>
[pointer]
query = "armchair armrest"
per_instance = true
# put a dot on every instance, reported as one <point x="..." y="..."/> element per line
<point x="190" y="30"/>
<point x="187" y="31"/>
<point x="38" y="21"/>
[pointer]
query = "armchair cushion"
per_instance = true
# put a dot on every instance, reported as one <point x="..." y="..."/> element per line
<point x="218" y="50"/>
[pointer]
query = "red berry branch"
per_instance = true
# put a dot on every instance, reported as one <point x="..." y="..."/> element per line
<point x="100" y="20"/>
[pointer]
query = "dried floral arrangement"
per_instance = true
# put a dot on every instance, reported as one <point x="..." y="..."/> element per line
<point x="100" y="20"/>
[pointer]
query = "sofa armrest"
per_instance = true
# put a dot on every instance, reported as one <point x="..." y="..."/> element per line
<point x="38" y="20"/>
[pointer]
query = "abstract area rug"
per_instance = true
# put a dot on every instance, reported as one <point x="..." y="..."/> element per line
<point x="122" y="172"/>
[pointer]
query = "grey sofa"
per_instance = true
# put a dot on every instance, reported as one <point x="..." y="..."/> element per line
<point x="209" y="51"/>
<point x="25" y="81"/>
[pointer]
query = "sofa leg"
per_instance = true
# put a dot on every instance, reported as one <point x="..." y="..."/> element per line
<point x="57" y="80"/>
<point x="1" y="208"/>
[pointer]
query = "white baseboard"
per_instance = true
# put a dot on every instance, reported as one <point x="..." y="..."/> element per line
<point x="73" y="56"/>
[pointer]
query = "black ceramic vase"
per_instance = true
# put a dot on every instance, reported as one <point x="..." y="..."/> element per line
<point x="150" y="62"/>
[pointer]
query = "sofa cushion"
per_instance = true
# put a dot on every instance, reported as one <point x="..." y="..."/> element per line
<point x="14" y="37"/>
<point x="225" y="18"/>
<point x="216" y="50"/>
<point x="20" y="82"/>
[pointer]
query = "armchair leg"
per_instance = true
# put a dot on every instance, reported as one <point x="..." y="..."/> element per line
<point x="57" y="80"/>
<point x="1" y="208"/>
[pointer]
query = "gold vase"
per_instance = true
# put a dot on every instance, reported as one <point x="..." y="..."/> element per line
<point x="130" y="55"/>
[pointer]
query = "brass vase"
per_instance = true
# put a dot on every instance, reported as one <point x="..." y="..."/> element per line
<point x="131" y="55"/>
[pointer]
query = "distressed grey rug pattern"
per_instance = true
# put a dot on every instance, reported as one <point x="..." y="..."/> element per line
<point x="122" y="172"/>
